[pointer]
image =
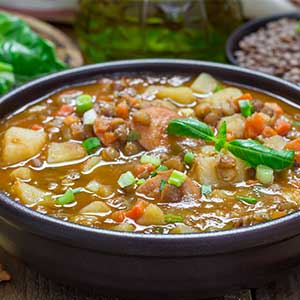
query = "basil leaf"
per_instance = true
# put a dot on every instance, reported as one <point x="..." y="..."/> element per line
<point x="257" y="154"/>
<point x="191" y="128"/>
<point x="221" y="138"/>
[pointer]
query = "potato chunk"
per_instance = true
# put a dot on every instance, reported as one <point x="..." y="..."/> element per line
<point x="204" y="83"/>
<point x="152" y="215"/>
<point x="124" y="227"/>
<point x="96" y="207"/>
<point x="27" y="193"/>
<point x="182" y="228"/>
<point x="182" y="95"/>
<point x="22" y="173"/>
<point x="21" y="143"/>
<point x="235" y="125"/>
<point x="61" y="152"/>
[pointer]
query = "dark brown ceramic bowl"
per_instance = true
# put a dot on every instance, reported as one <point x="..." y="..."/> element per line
<point x="198" y="265"/>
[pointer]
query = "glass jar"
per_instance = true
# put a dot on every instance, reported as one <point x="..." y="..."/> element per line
<point x="123" y="29"/>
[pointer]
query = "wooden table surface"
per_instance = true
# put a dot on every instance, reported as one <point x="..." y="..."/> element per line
<point x="27" y="284"/>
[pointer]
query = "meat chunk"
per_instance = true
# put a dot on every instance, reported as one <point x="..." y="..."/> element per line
<point x="153" y="135"/>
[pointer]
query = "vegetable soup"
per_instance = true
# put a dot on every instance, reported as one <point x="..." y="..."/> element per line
<point x="168" y="154"/>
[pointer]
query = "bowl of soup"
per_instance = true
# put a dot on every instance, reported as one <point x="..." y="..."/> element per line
<point x="164" y="177"/>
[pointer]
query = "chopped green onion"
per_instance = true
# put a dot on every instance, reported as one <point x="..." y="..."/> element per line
<point x="126" y="179"/>
<point x="298" y="27"/>
<point x="83" y="103"/>
<point x="89" y="117"/>
<point x="162" y="185"/>
<point x="295" y="123"/>
<point x="170" y="218"/>
<point x="133" y="136"/>
<point x="140" y="181"/>
<point x="91" y="144"/>
<point x="149" y="159"/>
<point x="189" y="158"/>
<point x="159" y="169"/>
<point x="77" y="190"/>
<point x="218" y="88"/>
<point x="250" y="200"/>
<point x="206" y="189"/>
<point x="264" y="174"/>
<point x="246" y="108"/>
<point x="177" y="178"/>
<point x="66" y="198"/>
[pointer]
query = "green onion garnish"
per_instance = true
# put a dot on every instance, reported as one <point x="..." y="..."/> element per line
<point x="83" y="103"/>
<point x="126" y="179"/>
<point x="170" y="218"/>
<point x="250" y="200"/>
<point x="298" y="27"/>
<point x="189" y="158"/>
<point x="149" y="159"/>
<point x="140" y="181"/>
<point x="295" y="123"/>
<point x="177" y="178"/>
<point x="264" y="174"/>
<point x="159" y="169"/>
<point x="218" y="88"/>
<point x="246" y="108"/>
<point x="206" y="189"/>
<point x="162" y="185"/>
<point x="133" y="136"/>
<point x="91" y="144"/>
<point x="66" y="198"/>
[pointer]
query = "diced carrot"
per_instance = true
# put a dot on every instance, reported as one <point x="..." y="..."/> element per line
<point x="245" y="96"/>
<point x="118" y="216"/>
<point x="254" y="126"/>
<point x="101" y="125"/>
<point x="68" y="120"/>
<point x="293" y="145"/>
<point x="282" y="127"/>
<point x="131" y="100"/>
<point x="268" y="131"/>
<point x="229" y="136"/>
<point x="297" y="157"/>
<point x="275" y="107"/>
<point x="139" y="169"/>
<point x="65" y="110"/>
<point x="37" y="127"/>
<point x="137" y="210"/>
<point x="122" y="110"/>
<point x="108" y="138"/>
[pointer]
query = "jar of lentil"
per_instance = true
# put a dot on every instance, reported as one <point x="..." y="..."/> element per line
<point x="124" y="29"/>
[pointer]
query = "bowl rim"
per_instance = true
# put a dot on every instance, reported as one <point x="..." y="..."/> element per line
<point x="139" y="244"/>
<point x="250" y="27"/>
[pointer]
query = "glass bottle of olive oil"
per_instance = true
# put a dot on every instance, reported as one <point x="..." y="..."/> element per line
<point x="123" y="29"/>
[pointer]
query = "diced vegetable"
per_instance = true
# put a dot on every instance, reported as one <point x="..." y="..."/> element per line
<point x="170" y="218"/>
<point x="268" y="131"/>
<point x="206" y="189"/>
<point x="133" y="136"/>
<point x="21" y="143"/>
<point x="126" y="179"/>
<point x="90" y="163"/>
<point x="125" y="227"/>
<point x="89" y="117"/>
<point x="254" y="126"/>
<point x="21" y="173"/>
<point x="264" y="174"/>
<point x="66" y="198"/>
<point x="93" y="186"/>
<point x="96" y="208"/>
<point x="182" y="228"/>
<point x="65" y="110"/>
<point x="246" y="108"/>
<point x="122" y="110"/>
<point x="137" y="210"/>
<point x="189" y="157"/>
<point x="293" y="145"/>
<point x="162" y="185"/>
<point x="282" y="127"/>
<point x="177" y="178"/>
<point x="218" y="88"/>
<point x="182" y="95"/>
<point x="140" y="181"/>
<point x="235" y="125"/>
<point x="160" y="168"/>
<point x="150" y="159"/>
<point x="250" y="200"/>
<point x="152" y="215"/>
<point x="91" y="144"/>
<point x="204" y="83"/>
<point x="62" y="152"/>
<point x="84" y="103"/>
<point x="276" y="142"/>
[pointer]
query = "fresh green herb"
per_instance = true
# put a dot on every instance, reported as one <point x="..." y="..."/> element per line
<point x="140" y="181"/>
<point x="126" y="179"/>
<point x="221" y="138"/>
<point x="77" y="190"/>
<point x="177" y="178"/>
<point x="189" y="157"/>
<point x="298" y="27"/>
<point x="256" y="154"/>
<point x="246" y="108"/>
<point x="250" y="200"/>
<point x="218" y="88"/>
<point x="29" y="54"/>
<point x="206" y="189"/>
<point x="66" y="198"/>
<point x="191" y="128"/>
<point x="84" y="103"/>
<point x="91" y="144"/>
<point x="133" y="136"/>
<point x="149" y="159"/>
<point x="170" y="218"/>
<point x="264" y="174"/>
<point x="7" y="77"/>
<point x="162" y="185"/>
<point x="159" y="169"/>
<point x="295" y="123"/>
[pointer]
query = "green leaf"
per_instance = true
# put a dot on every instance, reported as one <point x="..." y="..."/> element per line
<point x="246" y="108"/>
<point x="250" y="200"/>
<point x="191" y="128"/>
<point x="221" y="138"/>
<point x="256" y="154"/>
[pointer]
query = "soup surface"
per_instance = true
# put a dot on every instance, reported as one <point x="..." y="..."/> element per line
<point x="154" y="155"/>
